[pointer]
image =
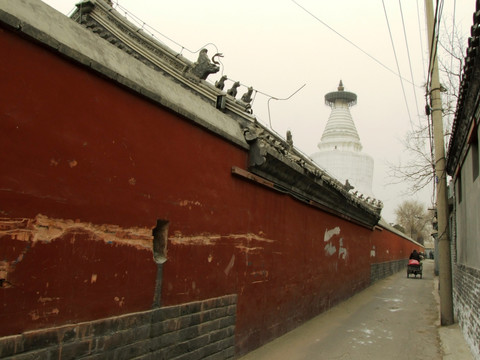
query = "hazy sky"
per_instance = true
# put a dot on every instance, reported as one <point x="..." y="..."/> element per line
<point x="276" y="47"/>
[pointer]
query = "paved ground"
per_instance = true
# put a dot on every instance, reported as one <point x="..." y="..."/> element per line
<point x="396" y="318"/>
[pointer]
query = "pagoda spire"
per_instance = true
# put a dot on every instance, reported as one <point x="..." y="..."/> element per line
<point x="340" y="86"/>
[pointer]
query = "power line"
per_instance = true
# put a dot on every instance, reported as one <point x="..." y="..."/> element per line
<point x="434" y="45"/>
<point x="408" y="54"/>
<point x="453" y="31"/>
<point x="396" y="60"/>
<point x="421" y="41"/>
<point x="432" y="57"/>
<point x="350" y="42"/>
<point x="151" y="31"/>
<point x="275" y="98"/>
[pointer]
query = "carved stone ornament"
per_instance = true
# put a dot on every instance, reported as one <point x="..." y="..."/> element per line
<point x="289" y="139"/>
<point x="348" y="186"/>
<point x="252" y="133"/>
<point x="258" y="153"/>
<point x="203" y="67"/>
<point x="258" y="146"/>
<point x="220" y="84"/>
<point x="233" y="90"/>
<point x="247" y="97"/>
<point x="276" y="161"/>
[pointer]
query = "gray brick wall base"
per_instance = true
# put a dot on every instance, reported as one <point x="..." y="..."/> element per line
<point x="198" y="330"/>
<point x="466" y="300"/>
<point x="382" y="270"/>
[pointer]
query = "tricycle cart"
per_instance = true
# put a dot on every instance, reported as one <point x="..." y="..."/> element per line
<point x="414" y="267"/>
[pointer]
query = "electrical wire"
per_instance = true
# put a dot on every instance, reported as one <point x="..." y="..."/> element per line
<point x="408" y="55"/>
<point x="453" y="31"/>
<point x="433" y="56"/>
<point x="421" y="42"/>
<point x="432" y="155"/>
<point x="429" y="119"/>
<point x="398" y="66"/>
<point x="434" y="43"/>
<point x="275" y="98"/>
<point x="349" y="41"/>
<point x="145" y="26"/>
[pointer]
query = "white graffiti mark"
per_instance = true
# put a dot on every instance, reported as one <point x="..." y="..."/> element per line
<point x="330" y="249"/>
<point x="372" y="252"/>
<point x="230" y="265"/>
<point x="329" y="233"/>
<point x="342" y="252"/>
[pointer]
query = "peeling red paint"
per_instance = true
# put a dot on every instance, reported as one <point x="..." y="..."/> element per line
<point x="60" y="271"/>
<point x="212" y="239"/>
<point x="43" y="229"/>
<point x="189" y="203"/>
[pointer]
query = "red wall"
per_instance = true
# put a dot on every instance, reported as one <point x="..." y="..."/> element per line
<point x="389" y="246"/>
<point x="86" y="170"/>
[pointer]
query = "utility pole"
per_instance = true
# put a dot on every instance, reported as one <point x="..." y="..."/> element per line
<point x="444" y="261"/>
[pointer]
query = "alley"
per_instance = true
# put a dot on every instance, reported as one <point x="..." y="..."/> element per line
<point x="396" y="318"/>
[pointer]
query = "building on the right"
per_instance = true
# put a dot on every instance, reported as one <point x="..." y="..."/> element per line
<point x="463" y="165"/>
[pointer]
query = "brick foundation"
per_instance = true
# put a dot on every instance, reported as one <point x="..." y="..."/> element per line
<point x="382" y="270"/>
<point x="466" y="296"/>
<point x="197" y="330"/>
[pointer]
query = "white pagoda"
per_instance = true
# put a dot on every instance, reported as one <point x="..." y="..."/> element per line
<point x="340" y="150"/>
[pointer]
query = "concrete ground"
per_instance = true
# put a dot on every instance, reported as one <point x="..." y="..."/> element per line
<point x="396" y="318"/>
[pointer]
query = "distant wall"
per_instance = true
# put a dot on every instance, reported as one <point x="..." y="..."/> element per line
<point x="112" y="204"/>
<point x="386" y="243"/>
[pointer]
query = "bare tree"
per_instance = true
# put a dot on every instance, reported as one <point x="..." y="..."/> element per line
<point x="418" y="171"/>
<point x="452" y="51"/>
<point x="415" y="219"/>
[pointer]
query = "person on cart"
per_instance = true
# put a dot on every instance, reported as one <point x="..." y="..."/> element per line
<point x="415" y="255"/>
<point x="414" y="264"/>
